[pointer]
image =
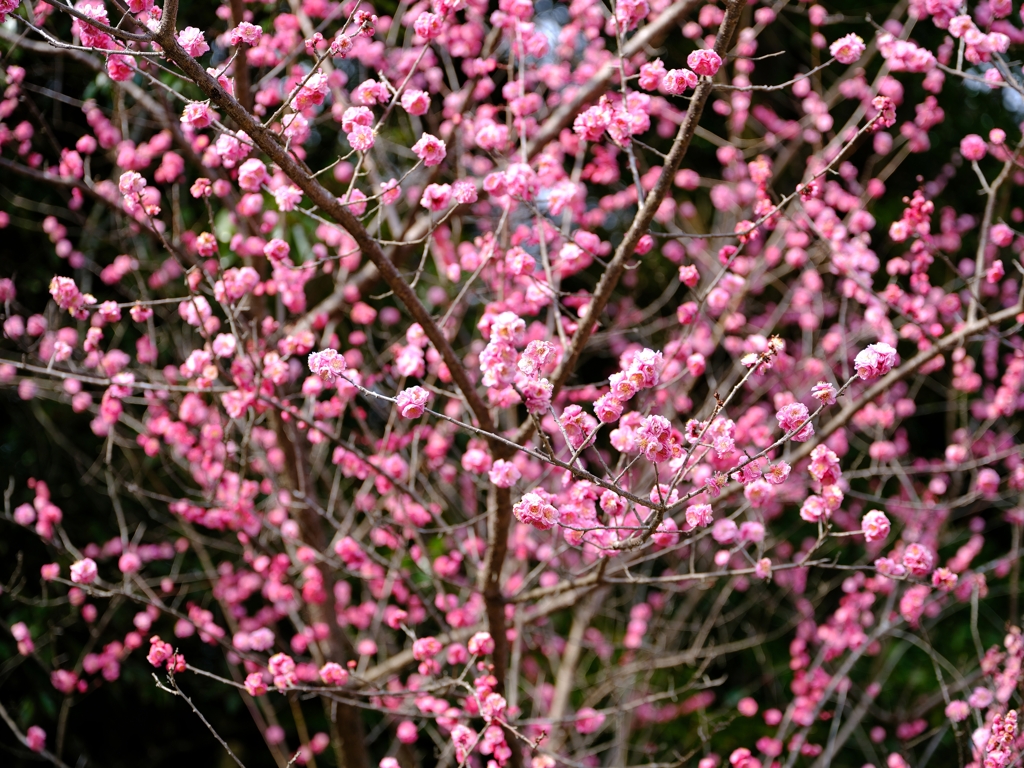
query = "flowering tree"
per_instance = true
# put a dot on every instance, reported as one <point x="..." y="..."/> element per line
<point x="521" y="384"/>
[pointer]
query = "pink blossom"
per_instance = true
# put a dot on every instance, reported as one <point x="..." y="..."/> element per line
<point x="436" y="197"/>
<point x="35" y="736"/>
<point x="504" y="474"/>
<point x="84" y="571"/>
<point x="795" y="416"/>
<point x="159" y="651"/>
<point x="255" y="685"/>
<point x="944" y="579"/>
<point x="120" y="67"/>
<point x="689" y="276"/>
<point x="430" y="149"/>
<point x="312" y="92"/>
<point x="361" y="138"/>
<point x="464" y="191"/>
<point x="390" y="192"/>
<point x="287" y="197"/>
<point x="328" y="364"/>
<point x="987" y="482"/>
<point x="973" y="147"/>
<point x="677" y="81"/>
<point x="463" y="738"/>
<point x="415" y="102"/>
<point x="193" y="41"/>
<point x="412" y="401"/>
<point x="608" y="408"/>
<point x="407" y="732"/>
<point x="875" y="361"/>
<point x="651" y="75"/>
<point x="588" y="720"/>
<point x="917" y="559"/>
<point x="252" y="174"/>
<point x="704" y="63"/>
<point x="481" y="644"/>
<point x="429" y="25"/>
<point x="333" y="673"/>
<point x="824" y="465"/>
<point x="847" y="49"/>
<point x="493" y="707"/>
<point x="277" y="249"/>
<point x="875" y="525"/>
<point x="655" y="439"/>
<point x="426" y="648"/>
<point x="245" y="33"/>
<point x="536" y="358"/>
<point x="958" y="711"/>
<point x="824" y="393"/>
<point x="533" y="509"/>
<point x="590" y="124"/>
<point x="886" y="109"/>
<point x="699" y="515"/>
<point x="129" y="562"/>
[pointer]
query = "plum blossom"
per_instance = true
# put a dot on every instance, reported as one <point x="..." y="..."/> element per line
<point x="481" y="644"/>
<point x="193" y="41"/>
<point x="588" y="720"/>
<point x="973" y="147"/>
<point x="795" y="416"/>
<point x="504" y="474"/>
<point x="328" y="364"/>
<point x="917" y="559"/>
<point x="875" y="525"/>
<point x="84" y="571"/>
<point x="848" y="49"/>
<point x="411" y="402"/>
<point x="245" y="32"/>
<point x="533" y="509"/>
<point x="252" y="174"/>
<point x="875" y="361"/>
<point x="699" y="515"/>
<point x="430" y="149"/>
<point x="704" y="63"/>
<point x="677" y="81"/>
<point x="824" y="393"/>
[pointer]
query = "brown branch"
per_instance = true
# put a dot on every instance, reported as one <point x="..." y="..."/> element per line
<point x="565" y="679"/>
<point x="241" y="69"/>
<point x="349" y="721"/>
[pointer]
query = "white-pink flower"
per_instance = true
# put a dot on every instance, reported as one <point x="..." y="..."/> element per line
<point x="795" y="417"/>
<point x="533" y="509"/>
<point x="588" y="720"/>
<point x="328" y="364"/>
<point x="504" y="474"/>
<point x="430" y="149"/>
<point x="875" y="525"/>
<point x="84" y="571"/>
<point x="252" y="174"/>
<point x="677" y="81"/>
<point x="245" y="33"/>
<point x="704" y="62"/>
<point x="847" y="49"/>
<point x="875" y="361"/>
<point x="193" y="41"/>
<point x="411" y="402"/>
